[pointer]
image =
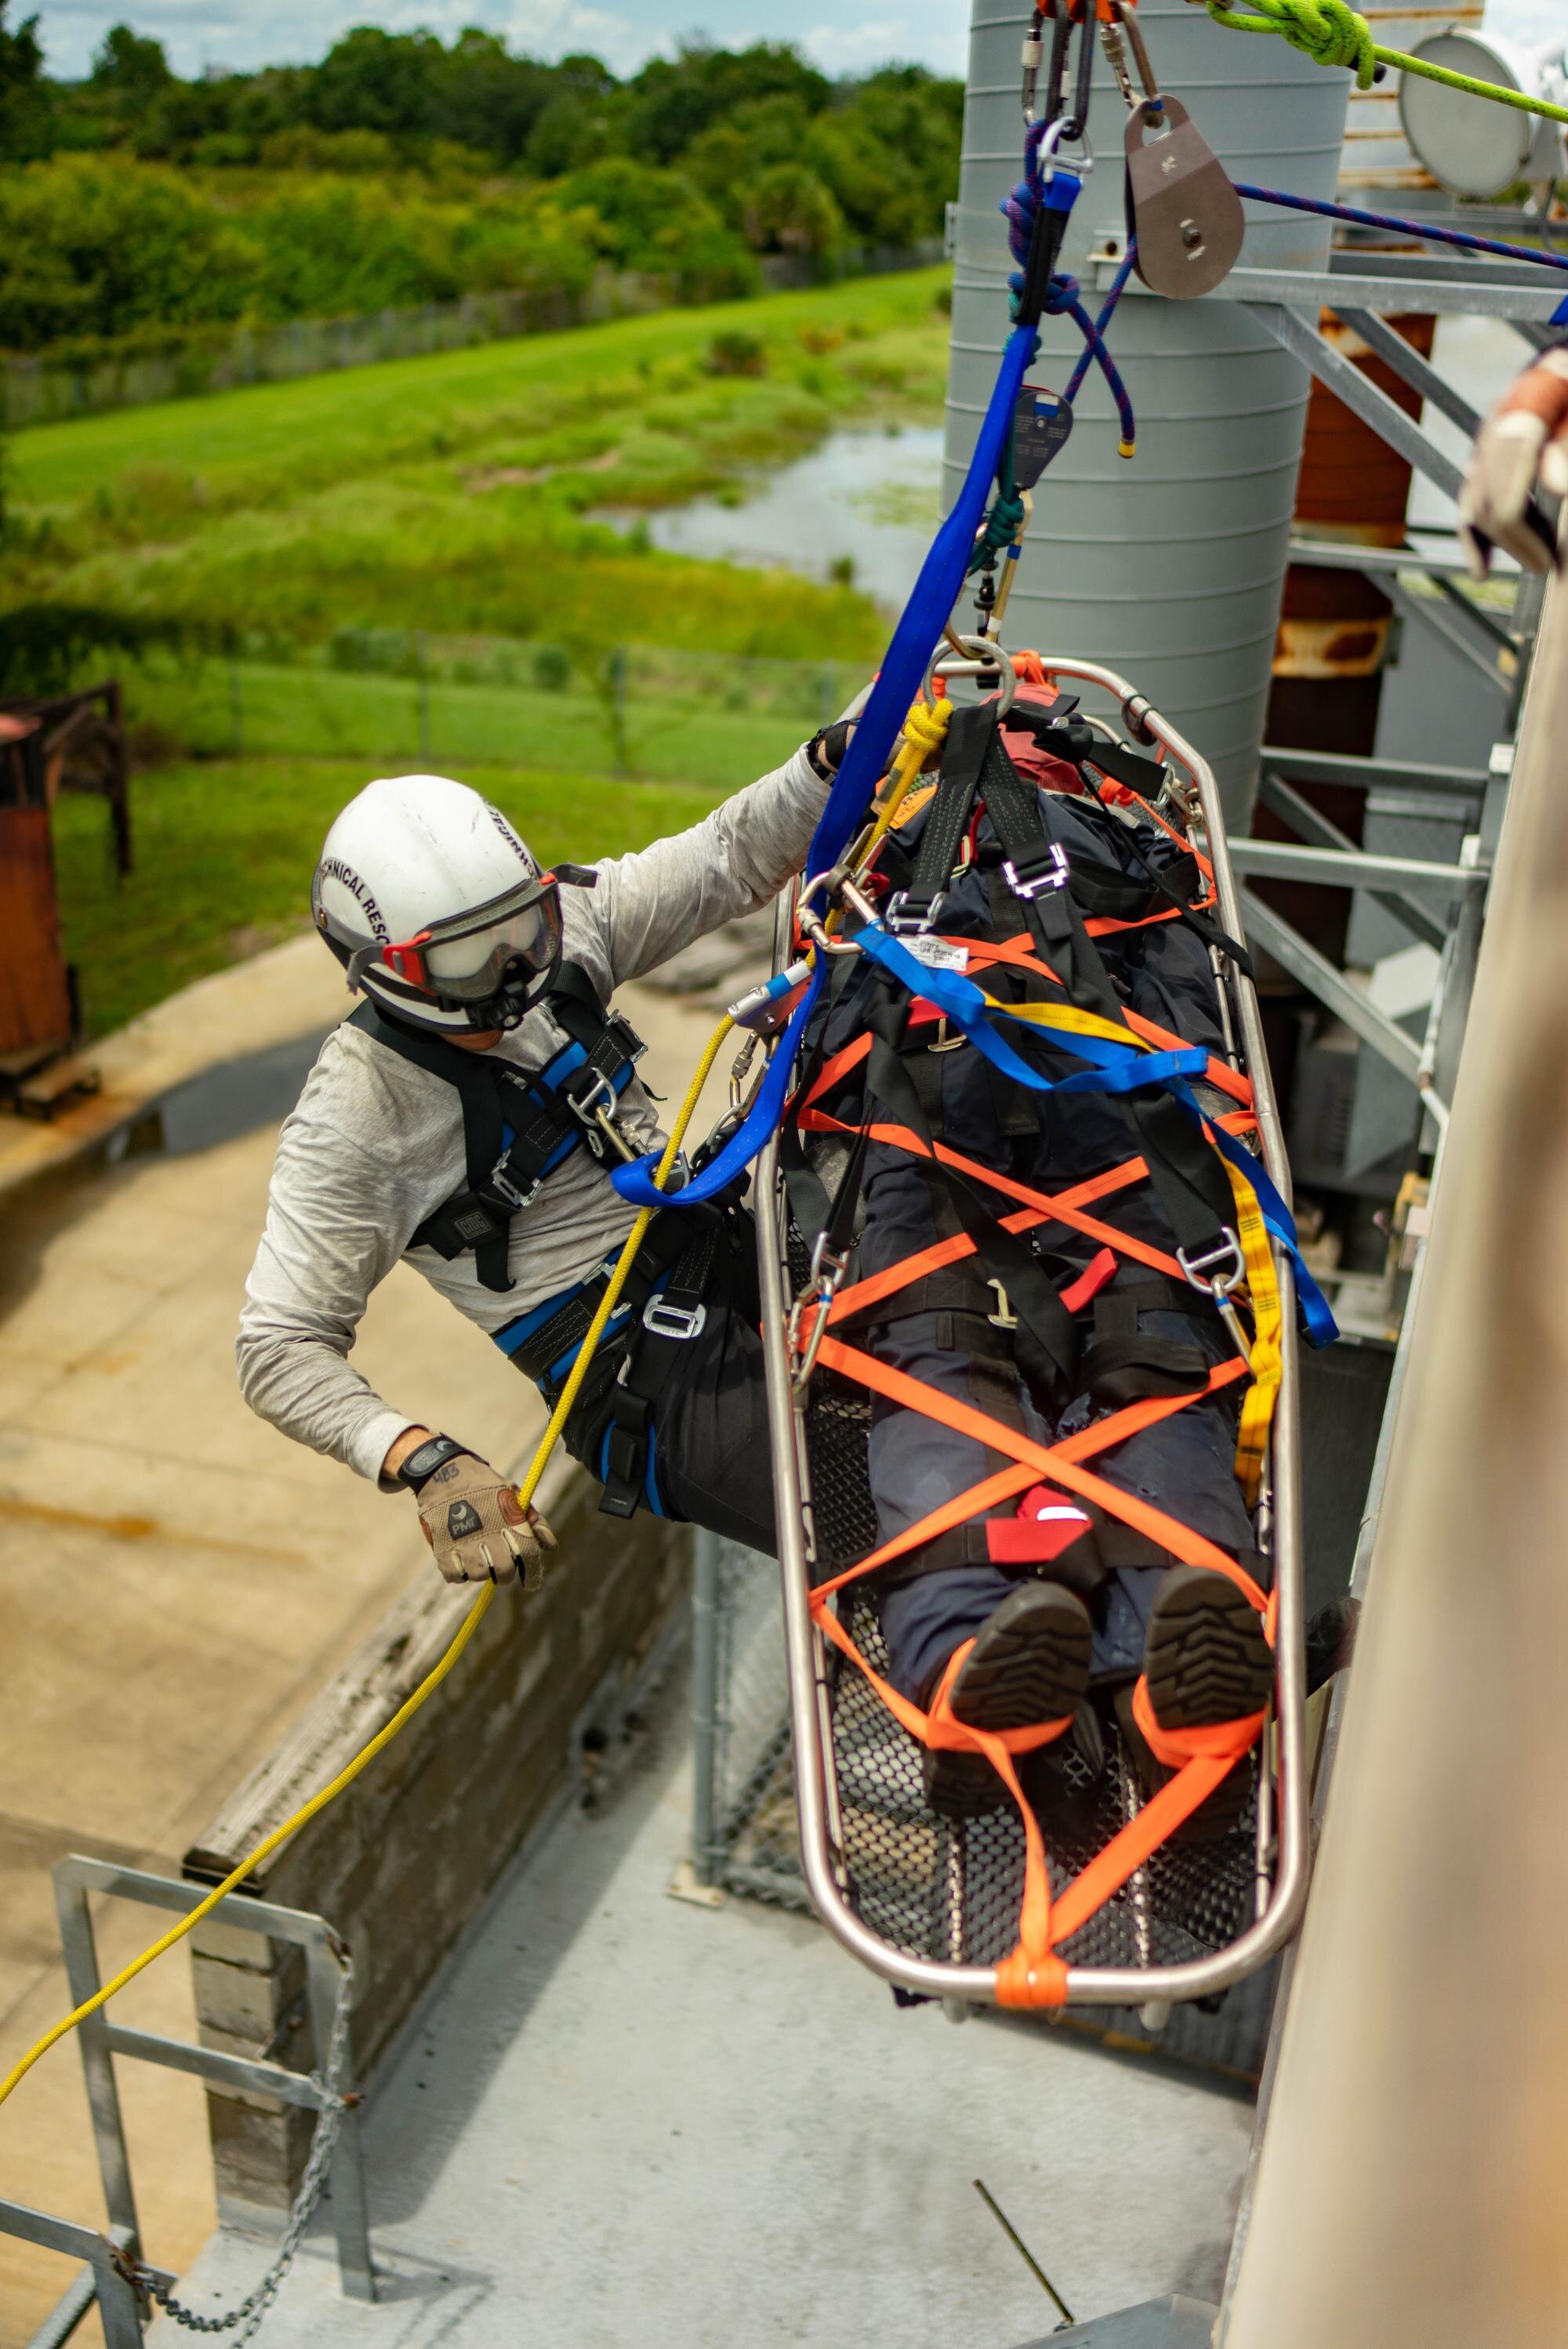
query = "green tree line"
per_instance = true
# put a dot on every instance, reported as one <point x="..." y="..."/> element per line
<point x="403" y="169"/>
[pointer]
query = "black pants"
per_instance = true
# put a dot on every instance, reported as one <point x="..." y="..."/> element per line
<point x="711" y="1465"/>
<point x="710" y="1461"/>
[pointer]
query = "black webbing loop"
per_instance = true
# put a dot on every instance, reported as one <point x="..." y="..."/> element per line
<point x="1047" y="1340"/>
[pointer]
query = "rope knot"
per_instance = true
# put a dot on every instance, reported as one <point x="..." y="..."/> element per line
<point x="1330" y="32"/>
<point x="1004" y="522"/>
<point x="925" y="729"/>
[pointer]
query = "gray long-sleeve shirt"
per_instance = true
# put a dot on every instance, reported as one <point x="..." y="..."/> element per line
<point x="375" y="1145"/>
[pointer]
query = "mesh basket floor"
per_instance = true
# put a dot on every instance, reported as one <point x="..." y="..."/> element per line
<point x="952" y="1892"/>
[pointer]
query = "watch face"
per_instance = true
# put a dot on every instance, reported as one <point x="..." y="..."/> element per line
<point x="423" y="1462"/>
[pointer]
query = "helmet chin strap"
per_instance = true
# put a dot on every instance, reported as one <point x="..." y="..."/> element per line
<point x="514" y="998"/>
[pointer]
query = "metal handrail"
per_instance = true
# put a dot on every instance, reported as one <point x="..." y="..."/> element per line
<point x="826" y="1879"/>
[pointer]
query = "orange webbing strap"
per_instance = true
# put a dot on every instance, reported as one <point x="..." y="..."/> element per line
<point x="878" y="1285"/>
<point x="1032" y="1974"/>
<point x="1201" y="1758"/>
<point x="1132" y="1420"/>
<point x="1131" y="1171"/>
<point x="1059" y="1462"/>
<point x="1182" y="842"/>
<point x="941" y="1729"/>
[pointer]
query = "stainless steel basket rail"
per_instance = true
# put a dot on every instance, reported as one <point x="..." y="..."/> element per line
<point x="1284" y="1856"/>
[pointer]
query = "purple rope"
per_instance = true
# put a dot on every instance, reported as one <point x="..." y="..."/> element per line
<point x="1064" y="299"/>
<point x="1118" y="288"/>
<point x="1404" y="227"/>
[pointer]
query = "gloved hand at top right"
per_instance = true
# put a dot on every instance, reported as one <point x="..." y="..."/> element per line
<point x="1525" y="436"/>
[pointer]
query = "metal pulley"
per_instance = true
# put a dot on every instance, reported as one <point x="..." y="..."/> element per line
<point x="1181" y="206"/>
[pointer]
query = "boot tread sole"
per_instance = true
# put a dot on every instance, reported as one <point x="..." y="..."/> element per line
<point x="1029" y="1666"/>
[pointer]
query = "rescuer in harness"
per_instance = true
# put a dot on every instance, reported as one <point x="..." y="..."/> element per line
<point x="467" y="1117"/>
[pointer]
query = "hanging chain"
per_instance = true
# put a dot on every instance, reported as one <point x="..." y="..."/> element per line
<point x="322" y="2146"/>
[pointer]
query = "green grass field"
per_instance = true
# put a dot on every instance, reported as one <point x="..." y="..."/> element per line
<point x="448" y="494"/>
<point x="671" y="733"/>
<point x="451" y="493"/>
<point x="225" y="849"/>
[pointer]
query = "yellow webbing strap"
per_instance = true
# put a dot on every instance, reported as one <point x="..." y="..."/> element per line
<point x="1268" y="1332"/>
<point x="1263" y="1287"/>
<point x="465" y="1631"/>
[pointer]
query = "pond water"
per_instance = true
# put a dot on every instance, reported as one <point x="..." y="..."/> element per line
<point x="866" y="499"/>
<point x="872" y="496"/>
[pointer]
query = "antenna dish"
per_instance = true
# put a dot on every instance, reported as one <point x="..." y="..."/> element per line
<point x="1471" y="145"/>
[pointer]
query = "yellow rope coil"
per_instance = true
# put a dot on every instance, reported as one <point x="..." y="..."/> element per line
<point x="465" y="1631"/>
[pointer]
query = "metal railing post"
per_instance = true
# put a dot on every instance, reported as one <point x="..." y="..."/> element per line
<point x="80" y="1951"/>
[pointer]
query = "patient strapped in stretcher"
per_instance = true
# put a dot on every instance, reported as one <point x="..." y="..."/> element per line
<point x="1021" y="1282"/>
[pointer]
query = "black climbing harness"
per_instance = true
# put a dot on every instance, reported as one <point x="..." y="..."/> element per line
<point x="518" y="1128"/>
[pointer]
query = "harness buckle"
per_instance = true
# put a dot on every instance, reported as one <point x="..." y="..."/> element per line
<point x="1219" y="1269"/>
<point x="1034" y="884"/>
<point x="625" y="1036"/>
<point x="595" y="1106"/>
<point x="1004" y="1317"/>
<point x="502" y="1182"/>
<point x="663" y="1318"/>
<point x="900" y="920"/>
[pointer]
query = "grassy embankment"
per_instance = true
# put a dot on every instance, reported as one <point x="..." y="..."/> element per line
<point x="451" y="493"/>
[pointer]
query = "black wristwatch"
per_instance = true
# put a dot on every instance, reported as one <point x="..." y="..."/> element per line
<point x="825" y="749"/>
<point x="425" y="1458"/>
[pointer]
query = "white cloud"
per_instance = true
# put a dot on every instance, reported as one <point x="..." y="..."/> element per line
<point x="199" y="33"/>
<point x="922" y="35"/>
<point x="202" y="32"/>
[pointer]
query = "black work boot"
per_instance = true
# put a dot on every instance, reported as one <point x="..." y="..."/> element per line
<point x="1029" y="1664"/>
<point x="1206" y="1662"/>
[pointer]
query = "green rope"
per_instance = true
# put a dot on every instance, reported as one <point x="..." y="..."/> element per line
<point x="1334" y="33"/>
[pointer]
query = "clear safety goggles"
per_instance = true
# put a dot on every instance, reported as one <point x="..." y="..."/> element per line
<point x="470" y="958"/>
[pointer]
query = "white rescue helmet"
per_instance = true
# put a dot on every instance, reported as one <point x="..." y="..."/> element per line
<point x="436" y="908"/>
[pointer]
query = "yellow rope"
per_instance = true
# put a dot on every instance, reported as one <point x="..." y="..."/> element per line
<point x="465" y="1631"/>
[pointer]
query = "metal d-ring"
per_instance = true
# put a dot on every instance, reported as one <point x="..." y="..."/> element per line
<point x="1045" y="153"/>
<point x="986" y="658"/>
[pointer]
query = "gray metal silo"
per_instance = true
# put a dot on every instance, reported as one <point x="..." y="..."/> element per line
<point x="1168" y="565"/>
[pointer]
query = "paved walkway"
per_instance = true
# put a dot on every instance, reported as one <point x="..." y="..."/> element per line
<point x="624" y="2122"/>
<point x="176" y="1580"/>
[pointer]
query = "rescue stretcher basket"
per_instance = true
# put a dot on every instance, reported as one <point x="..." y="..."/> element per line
<point x="930" y="1905"/>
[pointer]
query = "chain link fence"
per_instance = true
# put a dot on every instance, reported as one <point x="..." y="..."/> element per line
<point x="411" y="695"/>
<point x="744" y="1832"/>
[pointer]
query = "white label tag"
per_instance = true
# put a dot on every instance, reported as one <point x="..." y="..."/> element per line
<point x="937" y="954"/>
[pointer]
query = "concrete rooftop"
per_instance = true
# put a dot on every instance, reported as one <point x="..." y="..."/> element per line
<point x="177" y="1581"/>
<point x="622" y="2119"/>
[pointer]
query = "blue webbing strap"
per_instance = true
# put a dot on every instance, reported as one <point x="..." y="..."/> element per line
<point x="940" y="584"/>
<point x="1118" y="1069"/>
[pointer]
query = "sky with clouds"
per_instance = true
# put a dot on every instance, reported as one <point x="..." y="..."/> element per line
<point x="199" y="33"/>
<point x="240" y="33"/>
